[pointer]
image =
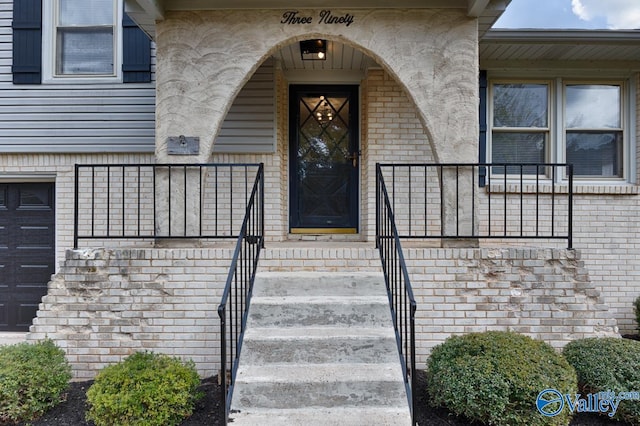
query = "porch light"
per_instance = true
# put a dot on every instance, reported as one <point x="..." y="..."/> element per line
<point x="313" y="50"/>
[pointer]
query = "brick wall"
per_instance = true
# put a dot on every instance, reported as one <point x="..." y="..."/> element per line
<point x="543" y="293"/>
<point x="106" y="304"/>
<point x="393" y="134"/>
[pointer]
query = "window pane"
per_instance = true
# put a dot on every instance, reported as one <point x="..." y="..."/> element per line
<point x="85" y="51"/>
<point x="595" y="154"/>
<point x="34" y="196"/>
<point x="520" y="105"/>
<point x="85" y="12"/>
<point x="593" y="106"/>
<point x="518" y="148"/>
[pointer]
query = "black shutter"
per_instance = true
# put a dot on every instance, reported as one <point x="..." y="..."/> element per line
<point x="482" y="141"/>
<point x="136" y="53"/>
<point x="27" y="42"/>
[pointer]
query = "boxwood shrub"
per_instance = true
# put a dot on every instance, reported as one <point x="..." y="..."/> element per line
<point x="144" y="389"/>
<point x="495" y="378"/>
<point x="608" y="364"/>
<point x="33" y="378"/>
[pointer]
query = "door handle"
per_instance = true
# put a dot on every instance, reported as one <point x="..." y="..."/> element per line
<point x="353" y="157"/>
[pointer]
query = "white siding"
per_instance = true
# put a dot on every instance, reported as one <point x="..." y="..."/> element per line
<point x="71" y="118"/>
<point x="250" y="124"/>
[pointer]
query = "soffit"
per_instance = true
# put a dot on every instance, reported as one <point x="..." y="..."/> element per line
<point x="575" y="49"/>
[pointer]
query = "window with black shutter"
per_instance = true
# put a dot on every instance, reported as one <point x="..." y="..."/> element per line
<point x="80" y="40"/>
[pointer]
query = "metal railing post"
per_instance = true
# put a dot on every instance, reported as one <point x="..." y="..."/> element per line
<point x="75" y="206"/>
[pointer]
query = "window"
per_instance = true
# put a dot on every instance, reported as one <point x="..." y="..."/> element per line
<point x="593" y="126"/>
<point x="586" y="129"/>
<point x="520" y="124"/>
<point x="83" y="39"/>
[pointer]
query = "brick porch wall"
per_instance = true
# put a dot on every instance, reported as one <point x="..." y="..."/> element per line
<point x="106" y="304"/>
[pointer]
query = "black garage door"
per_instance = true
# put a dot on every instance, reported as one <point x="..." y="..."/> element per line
<point x="27" y="252"/>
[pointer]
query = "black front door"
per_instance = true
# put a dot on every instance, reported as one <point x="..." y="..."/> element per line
<point x="27" y="251"/>
<point x="324" y="159"/>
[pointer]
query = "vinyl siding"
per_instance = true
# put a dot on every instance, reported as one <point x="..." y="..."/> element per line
<point x="250" y="124"/>
<point x="113" y="117"/>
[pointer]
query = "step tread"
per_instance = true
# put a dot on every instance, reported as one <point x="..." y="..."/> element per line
<point x="326" y="373"/>
<point x="317" y="333"/>
<point x="354" y="416"/>
<point x="321" y="300"/>
<point x="318" y="284"/>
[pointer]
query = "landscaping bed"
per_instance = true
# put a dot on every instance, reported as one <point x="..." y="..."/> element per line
<point x="208" y="410"/>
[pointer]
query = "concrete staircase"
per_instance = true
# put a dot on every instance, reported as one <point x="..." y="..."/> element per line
<point x="319" y="349"/>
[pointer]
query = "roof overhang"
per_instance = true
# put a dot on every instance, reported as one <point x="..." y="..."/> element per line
<point x="568" y="49"/>
<point x="146" y="12"/>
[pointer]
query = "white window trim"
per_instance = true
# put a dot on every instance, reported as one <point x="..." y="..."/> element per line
<point x="550" y="143"/>
<point x="624" y="112"/>
<point x="556" y="151"/>
<point x="49" y="46"/>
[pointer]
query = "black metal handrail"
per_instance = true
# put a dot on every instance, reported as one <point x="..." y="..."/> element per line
<point x="234" y="305"/>
<point x="401" y="299"/>
<point x="521" y="201"/>
<point x="160" y="201"/>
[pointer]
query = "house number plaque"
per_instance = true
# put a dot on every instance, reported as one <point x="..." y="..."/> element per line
<point x="293" y="17"/>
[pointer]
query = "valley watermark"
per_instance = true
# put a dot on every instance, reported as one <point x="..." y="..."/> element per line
<point x="551" y="402"/>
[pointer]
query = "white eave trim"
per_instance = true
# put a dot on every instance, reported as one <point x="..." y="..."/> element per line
<point x="561" y="36"/>
<point x="476" y="7"/>
<point x="153" y="8"/>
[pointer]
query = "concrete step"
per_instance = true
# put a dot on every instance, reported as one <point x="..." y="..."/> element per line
<point x="329" y="373"/>
<point x="319" y="349"/>
<point x="319" y="386"/>
<point x="333" y="284"/>
<point x="334" y="345"/>
<point x="335" y="416"/>
<point x="301" y="311"/>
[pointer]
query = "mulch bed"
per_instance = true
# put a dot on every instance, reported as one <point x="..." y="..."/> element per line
<point x="209" y="412"/>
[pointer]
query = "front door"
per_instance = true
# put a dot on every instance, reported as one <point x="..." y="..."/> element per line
<point x="324" y="159"/>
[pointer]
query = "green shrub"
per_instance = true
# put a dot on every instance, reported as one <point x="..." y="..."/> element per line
<point x="636" y="309"/>
<point x="144" y="389"/>
<point x="33" y="378"/>
<point x="495" y="378"/>
<point x="608" y="364"/>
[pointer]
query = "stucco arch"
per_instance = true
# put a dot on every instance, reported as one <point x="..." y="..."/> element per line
<point x="204" y="59"/>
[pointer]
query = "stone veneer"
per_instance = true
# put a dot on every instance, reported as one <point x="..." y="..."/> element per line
<point x="106" y="304"/>
<point x="205" y="57"/>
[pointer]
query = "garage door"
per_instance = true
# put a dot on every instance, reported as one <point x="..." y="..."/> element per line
<point x="27" y="236"/>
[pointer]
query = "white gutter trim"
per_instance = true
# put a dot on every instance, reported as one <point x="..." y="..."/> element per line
<point x="560" y="36"/>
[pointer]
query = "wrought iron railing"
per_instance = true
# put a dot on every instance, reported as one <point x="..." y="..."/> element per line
<point x="234" y="305"/>
<point x="401" y="299"/>
<point x="478" y="201"/>
<point x="160" y="201"/>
